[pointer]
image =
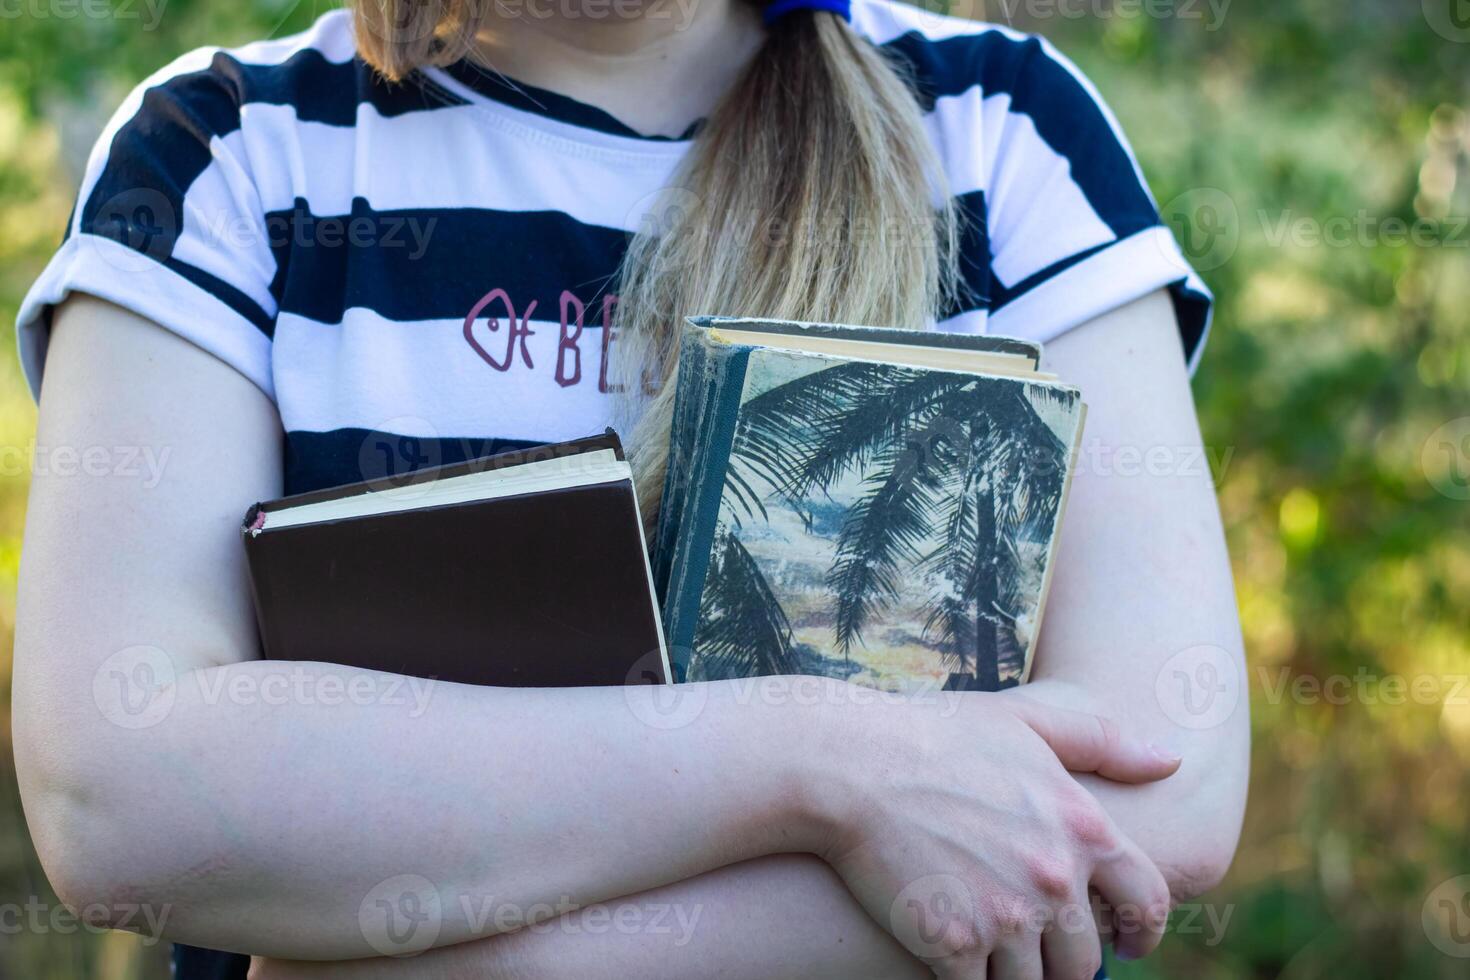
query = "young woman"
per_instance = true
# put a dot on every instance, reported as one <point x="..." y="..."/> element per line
<point x="403" y="238"/>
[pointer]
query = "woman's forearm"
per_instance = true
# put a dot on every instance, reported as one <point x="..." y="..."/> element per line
<point x="1142" y="624"/>
<point x="304" y="828"/>
<point x="782" y="916"/>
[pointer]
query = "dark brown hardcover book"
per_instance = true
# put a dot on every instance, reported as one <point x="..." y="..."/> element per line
<point x="524" y="569"/>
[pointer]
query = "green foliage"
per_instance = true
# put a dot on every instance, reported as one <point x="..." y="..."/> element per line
<point x="1297" y="145"/>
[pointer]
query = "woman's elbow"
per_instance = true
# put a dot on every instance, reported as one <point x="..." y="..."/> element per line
<point x="85" y="833"/>
<point x="1198" y="863"/>
<point x="81" y="848"/>
<point x="1190" y="878"/>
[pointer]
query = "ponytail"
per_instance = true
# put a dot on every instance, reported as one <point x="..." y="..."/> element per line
<point x="811" y="193"/>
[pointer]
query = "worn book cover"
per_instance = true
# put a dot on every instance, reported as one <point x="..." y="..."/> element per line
<point x="889" y="524"/>
<point x="525" y="569"/>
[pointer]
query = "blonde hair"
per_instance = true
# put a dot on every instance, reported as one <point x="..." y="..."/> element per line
<point x="810" y="193"/>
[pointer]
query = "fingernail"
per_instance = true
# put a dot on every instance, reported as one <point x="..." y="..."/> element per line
<point x="1164" y="755"/>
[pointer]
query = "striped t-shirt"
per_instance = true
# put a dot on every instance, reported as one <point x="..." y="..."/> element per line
<point x="425" y="272"/>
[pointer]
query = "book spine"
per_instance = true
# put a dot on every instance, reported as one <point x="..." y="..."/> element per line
<point x="690" y="397"/>
<point x="701" y="508"/>
<point x="261" y="595"/>
<point x="1054" y="538"/>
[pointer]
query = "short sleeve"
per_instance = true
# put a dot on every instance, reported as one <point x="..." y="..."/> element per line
<point x="168" y="224"/>
<point x="1072" y="229"/>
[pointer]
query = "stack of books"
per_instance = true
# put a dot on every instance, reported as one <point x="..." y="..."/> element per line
<point x="873" y="504"/>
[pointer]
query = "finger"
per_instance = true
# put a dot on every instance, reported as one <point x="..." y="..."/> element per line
<point x="962" y="966"/>
<point x="1071" y="948"/>
<point x="1020" y="960"/>
<point x="1086" y="742"/>
<point x="1137" y="897"/>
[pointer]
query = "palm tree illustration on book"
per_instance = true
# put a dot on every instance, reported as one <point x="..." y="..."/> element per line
<point x="886" y="524"/>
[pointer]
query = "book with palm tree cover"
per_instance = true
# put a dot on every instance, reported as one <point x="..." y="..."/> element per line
<point x="874" y="504"/>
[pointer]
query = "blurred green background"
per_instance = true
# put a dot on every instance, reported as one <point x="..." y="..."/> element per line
<point x="1314" y="157"/>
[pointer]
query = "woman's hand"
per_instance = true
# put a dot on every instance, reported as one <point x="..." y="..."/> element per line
<point x="960" y="829"/>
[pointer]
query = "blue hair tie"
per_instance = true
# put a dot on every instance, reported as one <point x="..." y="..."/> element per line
<point x="777" y="9"/>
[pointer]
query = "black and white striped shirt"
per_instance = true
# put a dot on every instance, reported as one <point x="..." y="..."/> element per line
<point x="423" y="272"/>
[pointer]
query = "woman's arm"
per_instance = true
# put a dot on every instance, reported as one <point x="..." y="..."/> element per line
<point x="787" y="915"/>
<point x="1141" y="623"/>
<point x="1142" y="573"/>
<point x="314" y="811"/>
